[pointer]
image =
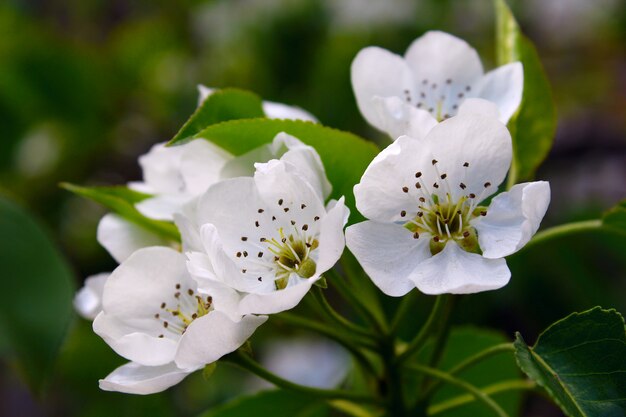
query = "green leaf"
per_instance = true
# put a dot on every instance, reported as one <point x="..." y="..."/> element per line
<point x="122" y="201"/>
<point x="36" y="296"/>
<point x="615" y="218"/>
<point x="581" y="361"/>
<point x="276" y="403"/>
<point x="222" y="105"/>
<point x="345" y="156"/>
<point x="534" y="126"/>
<point x="464" y="342"/>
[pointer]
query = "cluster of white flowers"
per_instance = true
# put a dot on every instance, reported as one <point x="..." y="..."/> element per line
<point x="257" y="230"/>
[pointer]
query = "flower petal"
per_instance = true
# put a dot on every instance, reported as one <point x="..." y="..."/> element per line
<point x="512" y="219"/>
<point x="438" y="56"/>
<point x="137" y="287"/>
<point x="472" y="149"/>
<point x="161" y="167"/>
<point x="332" y="241"/>
<point x="276" y="301"/>
<point x="479" y="106"/>
<point x="275" y="110"/>
<point x="455" y="271"/>
<point x="133" y="378"/>
<point x="134" y="345"/>
<point x="401" y="118"/>
<point x="121" y="238"/>
<point x="200" y="165"/>
<point x="88" y="300"/>
<point x="503" y="86"/>
<point x="212" y="336"/>
<point x="163" y="206"/>
<point x="388" y="253"/>
<point x="378" y="72"/>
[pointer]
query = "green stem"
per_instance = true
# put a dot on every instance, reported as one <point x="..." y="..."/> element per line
<point x="563" y="230"/>
<point x="246" y="362"/>
<point x="396" y="403"/>
<point x="473" y="390"/>
<point x="416" y="344"/>
<point x="351" y="344"/>
<point x="472" y="360"/>
<point x="336" y="317"/>
<point x="349" y="295"/>
<point x="461" y="400"/>
<point x="401" y="312"/>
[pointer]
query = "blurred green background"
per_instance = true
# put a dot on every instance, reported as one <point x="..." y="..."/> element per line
<point x="88" y="85"/>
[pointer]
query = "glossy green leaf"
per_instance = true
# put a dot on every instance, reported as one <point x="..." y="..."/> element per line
<point x="464" y="342"/>
<point x="222" y="105"/>
<point x="121" y="200"/>
<point x="36" y="296"/>
<point x="345" y="156"/>
<point x="581" y="362"/>
<point x="275" y="403"/>
<point x="534" y="126"/>
<point x="615" y="218"/>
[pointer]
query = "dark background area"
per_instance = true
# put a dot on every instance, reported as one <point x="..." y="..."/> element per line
<point x="87" y="86"/>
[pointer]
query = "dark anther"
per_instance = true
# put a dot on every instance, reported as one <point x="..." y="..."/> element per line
<point x="256" y="223"/>
<point x="405" y="189"/>
<point x="244" y="270"/>
<point x="303" y="206"/>
<point x="420" y="214"/>
<point x="177" y="295"/>
<point x="483" y="213"/>
<point x="305" y="227"/>
<point x="286" y="209"/>
<point x="466" y="164"/>
<point x="443" y="176"/>
<point x="436" y="185"/>
<point x="463" y="186"/>
<point x="472" y="195"/>
<point x="422" y="199"/>
<point x="190" y="291"/>
<point x="165" y="324"/>
<point x="260" y="254"/>
<point x="245" y="254"/>
<point x="418" y="185"/>
<point x="316" y="218"/>
<point x="178" y="286"/>
<point x="280" y="202"/>
<point x="436" y="239"/>
<point x="487" y="184"/>
<point x="260" y="279"/>
<point x="434" y="161"/>
<point x="157" y="315"/>
<point x="162" y="305"/>
<point x="466" y="233"/>
<point x="418" y="174"/>
<point x="416" y="235"/>
<point x="238" y="254"/>
<point x="273" y="218"/>
<point x="402" y="213"/>
<point x="243" y="238"/>
<point x="293" y="222"/>
<point x="262" y="239"/>
<point x="260" y="210"/>
<point x="461" y="95"/>
<point x="449" y="81"/>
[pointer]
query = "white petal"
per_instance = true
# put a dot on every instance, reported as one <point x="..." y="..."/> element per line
<point x="162" y="207"/>
<point x="88" y="300"/>
<point x="283" y="111"/>
<point x="503" y="86"/>
<point x="134" y="345"/>
<point x="276" y="301"/>
<point x="379" y="195"/>
<point x="479" y="106"/>
<point x="378" y="72"/>
<point x="388" y="253"/>
<point x="456" y="271"/>
<point x="200" y="165"/>
<point x="482" y="142"/>
<point x="137" y="287"/>
<point x="331" y="239"/>
<point x="121" y="238"/>
<point x="189" y="233"/>
<point x="438" y="56"/>
<point x="161" y="168"/>
<point x="203" y="93"/>
<point x="512" y="219"/>
<point x="212" y="336"/>
<point x="401" y="118"/>
<point x="133" y="378"/>
<point x="306" y="159"/>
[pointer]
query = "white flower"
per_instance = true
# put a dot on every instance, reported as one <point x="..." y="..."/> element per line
<point x="271" y="109"/>
<point x="427" y="228"/>
<point x="175" y="175"/>
<point x="88" y="300"/>
<point x="270" y="237"/>
<point x="439" y="72"/>
<point x="154" y="316"/>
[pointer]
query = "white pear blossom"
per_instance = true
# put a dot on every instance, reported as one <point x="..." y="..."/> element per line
<point x="271" y="109"/>
<point x="439" y="72"/>
<point x="270" y="236"/>
<point x="154" y="316"/>
<point x="427" y="227"/>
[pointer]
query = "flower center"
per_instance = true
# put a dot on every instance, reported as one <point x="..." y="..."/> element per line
<point x="291" y="254"/>
<point x="442" y="100"/>
<point x="186" y="306"/>
<point x="441" y="217"/>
